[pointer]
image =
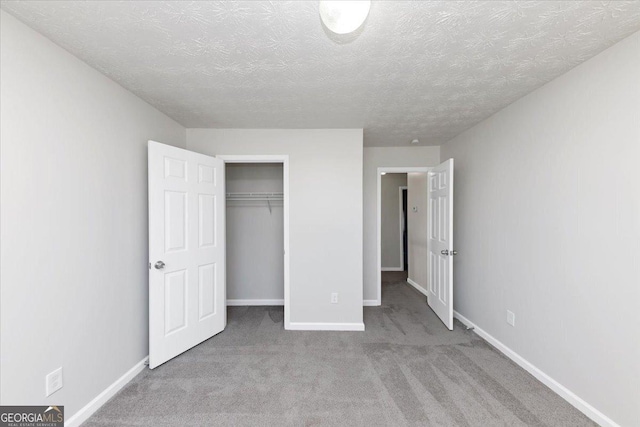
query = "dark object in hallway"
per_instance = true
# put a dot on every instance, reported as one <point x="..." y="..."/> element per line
<point x="405" y="231"/>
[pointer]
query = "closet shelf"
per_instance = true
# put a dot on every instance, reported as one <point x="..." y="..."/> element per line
<point x="246" y="197"/>
<point x="255" y="196"/>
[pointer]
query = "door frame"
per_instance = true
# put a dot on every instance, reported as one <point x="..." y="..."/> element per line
<point x="387" y="169"/>
<point x="284" y="159"/>
<point x="400" y="190"/>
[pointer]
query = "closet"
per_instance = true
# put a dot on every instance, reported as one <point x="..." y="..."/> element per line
<point x="254" y="233"/>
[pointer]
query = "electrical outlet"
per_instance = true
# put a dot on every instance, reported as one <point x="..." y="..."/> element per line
<point x="334" y="298"/>
<point x="511" y="318"/>
<point x="53" y="382"/>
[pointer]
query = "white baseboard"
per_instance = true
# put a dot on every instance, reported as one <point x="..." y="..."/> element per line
<point x="392" y="269"/>
<point x="90" y="408"/>
<point x="418" y="287"/>
<point x="370" y="302"/>
<point x="255" y="302"/>
<point x="303" y="326"/>
<point x="558" y="388"/>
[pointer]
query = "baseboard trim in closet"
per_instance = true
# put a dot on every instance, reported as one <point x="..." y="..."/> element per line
<point x="255" y="302"/>
<point x="305" y="326"/>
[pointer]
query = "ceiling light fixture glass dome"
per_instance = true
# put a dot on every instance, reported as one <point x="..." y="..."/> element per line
<point x="343" y="17"/>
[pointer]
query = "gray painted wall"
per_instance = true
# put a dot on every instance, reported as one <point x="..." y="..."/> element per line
<point x="255" y="236"/>
<point x="73" y="222"/>
<point x="417" y="183"/>
<point x="325" y="172"/>
<point x="390" y="219"/>
<point x="547" y="217"/>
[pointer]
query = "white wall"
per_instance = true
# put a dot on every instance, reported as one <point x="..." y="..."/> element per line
<point x="375" y="157"/>
<point x="325" y="174"/>
<point x="417" y="236"/>
<point x="390" y="220"/>
<point x="73" y="221"/>
<point x="255" y="235"/>
<point x="547" y="217"/>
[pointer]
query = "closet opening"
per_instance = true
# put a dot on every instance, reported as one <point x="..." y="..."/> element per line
<point x="257" y="231"/>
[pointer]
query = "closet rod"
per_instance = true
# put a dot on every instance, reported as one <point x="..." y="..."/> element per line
<point x="266" y="199"/>
<point x="253" y="194"/>
<point x="250" y="197"/>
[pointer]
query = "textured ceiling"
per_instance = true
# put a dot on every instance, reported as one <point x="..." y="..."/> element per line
<point x="418" y="69"/>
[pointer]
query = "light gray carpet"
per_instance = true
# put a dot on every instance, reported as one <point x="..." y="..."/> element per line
<point x="405" y="369"/>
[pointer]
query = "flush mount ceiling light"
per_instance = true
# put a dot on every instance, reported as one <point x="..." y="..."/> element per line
<point x="343" y="17"/>
<point x="415" y="141"/>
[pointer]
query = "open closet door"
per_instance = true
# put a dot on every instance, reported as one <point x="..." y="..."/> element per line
<point x="440" y="242"/>
<point x="186" y="250"/>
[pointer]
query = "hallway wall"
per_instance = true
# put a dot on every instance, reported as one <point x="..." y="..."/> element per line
<point x="390" y="220"/>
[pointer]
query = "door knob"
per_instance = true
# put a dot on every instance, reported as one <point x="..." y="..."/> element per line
<point x="159" y="265"/>
<point x="445" y="252"/>
<point x="454" y="252"/>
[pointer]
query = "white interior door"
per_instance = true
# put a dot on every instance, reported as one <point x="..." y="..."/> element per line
<point x="187" y="301"/>
<point x="440" y="241"/>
